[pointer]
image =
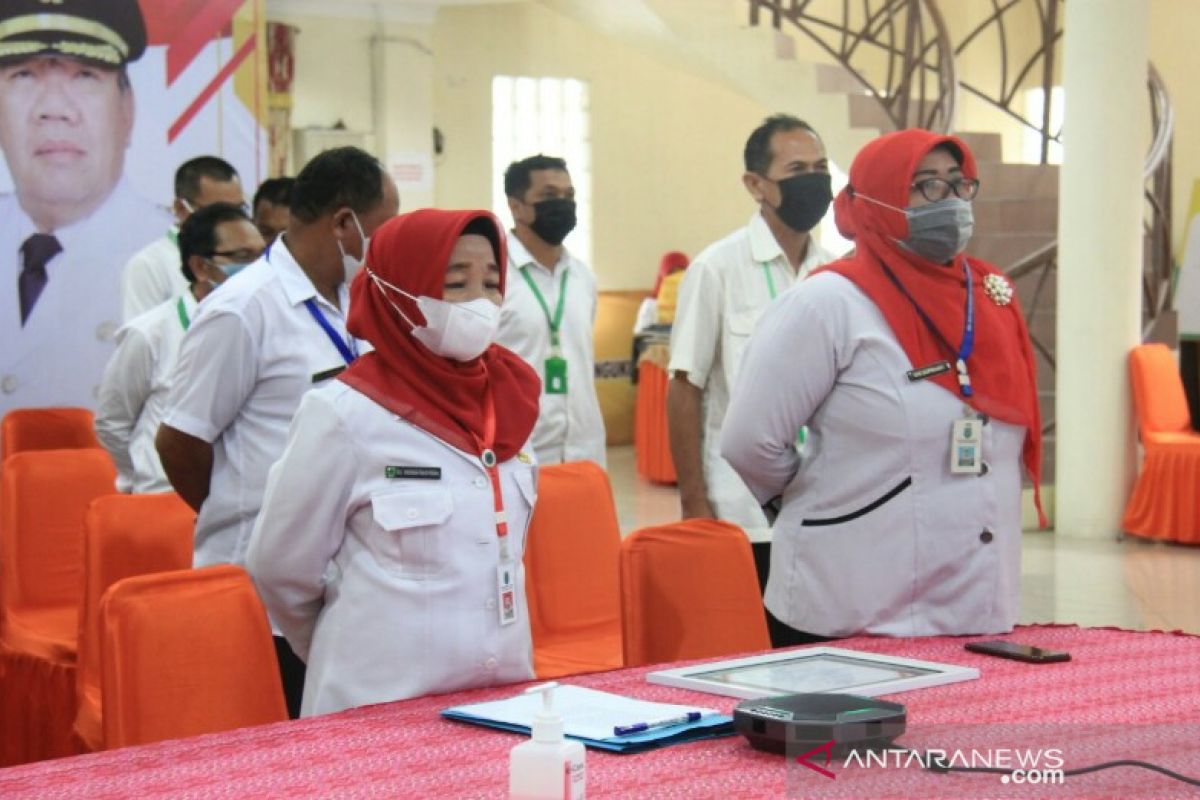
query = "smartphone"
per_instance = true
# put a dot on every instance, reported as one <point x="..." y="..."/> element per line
<point x="1018" y="652"/>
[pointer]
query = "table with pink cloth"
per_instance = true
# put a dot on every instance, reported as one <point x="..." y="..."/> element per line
<point x="1139" y="689"/>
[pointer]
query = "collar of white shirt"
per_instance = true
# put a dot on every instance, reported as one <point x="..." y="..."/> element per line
<point x="764" y="247"/>
<point x="297" y="286"/>
<point x="520" y="256"/>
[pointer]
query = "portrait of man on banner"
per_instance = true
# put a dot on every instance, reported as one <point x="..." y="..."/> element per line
<point x="91" y="133"/>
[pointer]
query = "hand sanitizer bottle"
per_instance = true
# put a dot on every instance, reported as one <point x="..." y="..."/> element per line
<point x="547" y="767"/>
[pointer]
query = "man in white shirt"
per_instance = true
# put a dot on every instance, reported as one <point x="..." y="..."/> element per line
<point x="724" y="292"/>
<point x="549" y="311"/>
<point x="257" y="346"/>
<point x="214" y="244"/>
<point x="152" y="276"/>
<point x="66" y="118"/>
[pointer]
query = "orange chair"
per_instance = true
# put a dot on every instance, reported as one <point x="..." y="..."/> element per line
<point x="650" y="440"/>
<point x="1165" y="503"/>
<point x="571" y="572"/>
<point x="47" y="429"/>
<point x="689" y="590"/>
<point x="124" y="535"/>
<point x="185" y="653"/>
<point x="44" y="496"/>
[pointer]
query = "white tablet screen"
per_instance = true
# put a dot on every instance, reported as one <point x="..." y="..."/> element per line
<point x="814" y="673"/>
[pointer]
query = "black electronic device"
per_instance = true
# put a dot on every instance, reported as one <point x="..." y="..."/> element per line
<point x="801" y="722"/>
<point x="1018" y="652"/>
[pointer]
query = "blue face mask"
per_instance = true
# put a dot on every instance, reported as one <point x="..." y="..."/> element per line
<point x="228" y="270"/>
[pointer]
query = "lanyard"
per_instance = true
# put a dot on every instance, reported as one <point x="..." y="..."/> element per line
<point x="964" y="350"/>
<point x="183" y="317"/>
<point x="487" y="457"/>
<point x="347" y="347"/>
<point x="770" y="281"/>
<point x="554" y="322"/>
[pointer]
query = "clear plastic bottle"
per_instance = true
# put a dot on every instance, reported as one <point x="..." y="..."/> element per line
<point x="548" y="766"/>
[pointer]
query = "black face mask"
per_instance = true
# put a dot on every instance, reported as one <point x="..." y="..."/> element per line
<point x="804" y="200"/>
<point x="554" y="220"/>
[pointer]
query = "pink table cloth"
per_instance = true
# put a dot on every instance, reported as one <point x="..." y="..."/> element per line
<point x="405" y="749"/>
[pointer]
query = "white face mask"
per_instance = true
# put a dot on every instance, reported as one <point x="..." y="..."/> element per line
<point x="458" y="331"/>
<point x="350" y="264"/>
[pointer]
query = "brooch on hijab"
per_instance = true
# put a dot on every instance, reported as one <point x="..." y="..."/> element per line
<point x="998" y="289"/>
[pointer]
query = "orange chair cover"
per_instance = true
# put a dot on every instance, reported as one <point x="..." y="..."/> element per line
<point x="185" y="653"/>
<point x="124" y="535"/>
<point x="46" y="429"/>
<point x="44" y="495"/>
<point x="650" y="440"/>
<point x="571" y="572"/>
<point x="689" y="590"/>
<point x="1165" y="502"/>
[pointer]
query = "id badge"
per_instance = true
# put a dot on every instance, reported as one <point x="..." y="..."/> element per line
<point x="506" y="592"/>
<point x="556" y="375"/>
<point x="966" y="447"/>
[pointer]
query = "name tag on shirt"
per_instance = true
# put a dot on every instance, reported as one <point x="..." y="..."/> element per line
<point x="414" y="473"/>
<point x="936" y="368"/>
<point x="327" y="374"/>
<point x="506" y="590"/>
<point x="966" y="447"/>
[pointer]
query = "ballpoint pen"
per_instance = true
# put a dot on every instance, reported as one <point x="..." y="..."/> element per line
<point x="639" y="727"/>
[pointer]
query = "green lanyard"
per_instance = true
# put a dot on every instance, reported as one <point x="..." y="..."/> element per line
<point x="770" y="281"/>
<point x="554" y="322"/>
<point x="183" y="317"/>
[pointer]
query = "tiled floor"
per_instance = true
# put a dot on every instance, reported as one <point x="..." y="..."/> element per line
<point x="1128" y="583"/>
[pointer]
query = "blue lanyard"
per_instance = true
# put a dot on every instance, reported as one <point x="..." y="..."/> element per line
<point x="347" y="347"/>
<point x="967" y="345"/>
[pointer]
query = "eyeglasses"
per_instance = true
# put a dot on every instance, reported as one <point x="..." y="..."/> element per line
<point x="243" y="256"/>
<point x="934" y="189"/>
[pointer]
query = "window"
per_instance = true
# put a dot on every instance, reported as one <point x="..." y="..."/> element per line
<point x="550" y="116"/>
<point x="1031" y="140"/>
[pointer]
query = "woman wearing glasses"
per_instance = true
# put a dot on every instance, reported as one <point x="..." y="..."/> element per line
<point x="910" y="363"/>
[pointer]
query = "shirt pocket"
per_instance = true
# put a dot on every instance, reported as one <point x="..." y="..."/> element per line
<point x="856" y="511"/>
<point x="413" y="531"/>
<point x="526" y="480"/>
<point x="738" y="327"/>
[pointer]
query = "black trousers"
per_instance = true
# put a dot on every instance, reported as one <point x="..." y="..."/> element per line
<point x="782" y="634"/>
<point x="291" y="672"/>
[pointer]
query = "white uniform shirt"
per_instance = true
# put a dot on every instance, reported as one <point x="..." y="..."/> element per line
<point x="387" y="587"/>
<point x="58" y="356"/>
<point x="723" y="293"/>
<point x="250" y="355"/>
<point x="570" y="426"/>
<point x="154" y="275"/>
<point x="876" y="534"/>
<point x="133" y="393"/>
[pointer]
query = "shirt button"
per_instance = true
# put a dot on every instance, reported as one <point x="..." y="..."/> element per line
<point x="490" y="663"/>
<point x="106" y="330"/>
<point x="986" y="537"/>
<point x="9" y="384"/>
<point x="984" y="470"/>
<point x="412" y="513"/>
<point x="480" y="482"/>
<point x="491" y="603"/>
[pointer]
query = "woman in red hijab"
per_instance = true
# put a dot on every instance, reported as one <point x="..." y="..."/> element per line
<point x="910" y="364"/>
<point x="388" y="549"/>
<point x="671" y="263"/>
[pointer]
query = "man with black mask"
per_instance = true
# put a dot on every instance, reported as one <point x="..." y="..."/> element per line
<point x="549" y="310"/>
<point x="723" y="293"/>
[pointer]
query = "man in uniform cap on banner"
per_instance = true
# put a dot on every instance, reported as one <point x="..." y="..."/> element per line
<point x="66" y="117"/>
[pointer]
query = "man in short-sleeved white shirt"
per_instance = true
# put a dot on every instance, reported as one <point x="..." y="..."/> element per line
<point x="549" y="311"/>
<point x="724" y="292"/>
<point x="213" y="244"/>
<point x="269" y="335"/>
<point x="152" y="276"/>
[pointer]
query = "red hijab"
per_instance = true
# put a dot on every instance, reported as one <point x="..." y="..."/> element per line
<point x="443" y="397"/>
<point x="1002" y="366"/>
<point x="673" y="261"/>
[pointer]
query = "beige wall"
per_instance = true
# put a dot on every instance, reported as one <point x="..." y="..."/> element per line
<point x="666" y="146"/>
